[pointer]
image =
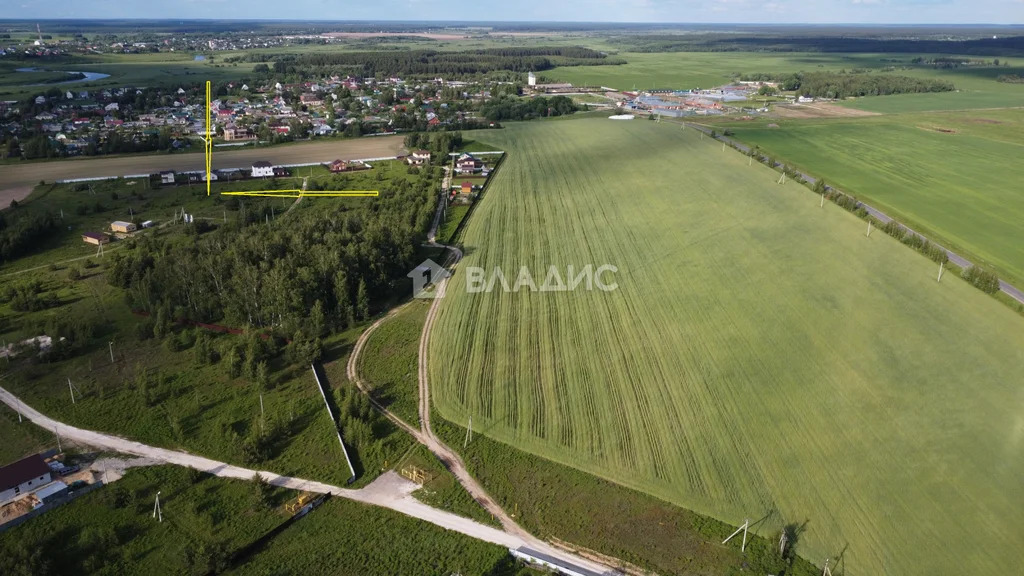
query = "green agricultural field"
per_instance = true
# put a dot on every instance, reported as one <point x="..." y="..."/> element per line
<point x="948" y="175"/>
<point x="760" y="355"/>
<point x="111" y="530"/>
<point x="977" y="87"/>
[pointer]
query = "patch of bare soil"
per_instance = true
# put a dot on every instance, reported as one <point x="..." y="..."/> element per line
<point x="818" y="110"/>
<point x="429" y="35"/>
<point x="940" y="129"/>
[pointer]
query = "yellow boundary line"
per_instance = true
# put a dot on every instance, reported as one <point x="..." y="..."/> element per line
<point x="208" y="141"/>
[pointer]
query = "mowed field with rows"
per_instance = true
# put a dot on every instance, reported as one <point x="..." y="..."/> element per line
<point x="951" y="176"/>
<point x="761" y="355"/>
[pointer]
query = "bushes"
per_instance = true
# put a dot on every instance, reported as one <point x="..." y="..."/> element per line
<point x="981" y="279"/>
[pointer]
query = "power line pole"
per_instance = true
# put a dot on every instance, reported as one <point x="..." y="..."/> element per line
<point x="55" y="433"/>
<point x="469" y="433"/>
<point x="157" y="513"/>
<point x="746" y="524"/>
<point x="71" y="390"/>
<point x="111" y="346"/>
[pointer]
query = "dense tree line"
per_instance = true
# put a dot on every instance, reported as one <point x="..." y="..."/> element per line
<point x="19" y="237"/>
<point x="843" y="85"/>
<point x="510" y="108"/>
<point x="424" y="62"/>
<point x="343" y="259"/>
<point x="1009" y="46"/>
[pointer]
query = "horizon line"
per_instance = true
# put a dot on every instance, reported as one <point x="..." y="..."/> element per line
<point x="452" y="22"/>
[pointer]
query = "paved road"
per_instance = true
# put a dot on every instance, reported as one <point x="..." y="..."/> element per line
<point x="1005" y="287"/>
<point x="17" y="180"/>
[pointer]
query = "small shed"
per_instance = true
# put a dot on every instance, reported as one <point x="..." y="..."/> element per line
<point x="167" y="177"/>
<point x="122" y="227"/>
<point x="467" y="188"/>
<point x="51" y="490"/>
<point x="95" y="238"/>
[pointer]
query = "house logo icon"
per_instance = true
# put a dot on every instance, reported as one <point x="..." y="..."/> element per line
<point x="428" y="273"/>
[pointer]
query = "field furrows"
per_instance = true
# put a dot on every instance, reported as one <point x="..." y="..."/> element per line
<point x="759" y="357"/>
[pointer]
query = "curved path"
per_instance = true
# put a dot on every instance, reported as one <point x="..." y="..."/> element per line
<point x="389" y="491"/>
<point x="425" y="435"/>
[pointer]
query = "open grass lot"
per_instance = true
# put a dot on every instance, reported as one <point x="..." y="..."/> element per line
<point x="557" y="502"/>
<point x="686" y="70"/>
<point x="345" y="537"/>
<point x="760" y="355"/>
<point x="950" y="175"/>
<point x="21" y="439"/>
<point x="453" y="217"/>
<point x="388" y="363"/>
<point x="111" y="531"/>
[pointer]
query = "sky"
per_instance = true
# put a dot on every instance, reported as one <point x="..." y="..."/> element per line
<point x="669" y="11"/>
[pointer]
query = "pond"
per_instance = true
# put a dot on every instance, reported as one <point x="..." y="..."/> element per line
<point x="89" y="76"/>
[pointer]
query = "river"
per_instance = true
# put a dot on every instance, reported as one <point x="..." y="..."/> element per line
<point x="89" y="76"/>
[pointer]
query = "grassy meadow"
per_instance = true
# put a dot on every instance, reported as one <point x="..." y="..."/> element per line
<point x="388" y="363"/>
<point x="948" y="175"/>
<point x="345" y="537"/>
<point x="759" y="357"/>
<point x="21" y="439"/>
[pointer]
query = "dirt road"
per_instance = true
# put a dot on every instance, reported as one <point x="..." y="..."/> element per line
<point x="389" y="491"/>
<point x="17" y="180"/>
<point x="449" y="457"/>
<point x="424" y="435"/>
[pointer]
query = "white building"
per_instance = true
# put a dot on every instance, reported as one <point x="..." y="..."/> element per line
<point x="531" y="79"/>
<point x="167" y="177"/>
<point x="22" y="477"/>
<point x="262" y="168"/>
